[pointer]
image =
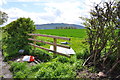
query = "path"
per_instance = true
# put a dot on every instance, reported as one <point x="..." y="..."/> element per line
<point x="4" y="68"/>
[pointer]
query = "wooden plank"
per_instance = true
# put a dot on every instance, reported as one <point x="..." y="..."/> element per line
<point x="49" y="43"/>
<point x="48" y="50"/>
<point x="51" y="36"/>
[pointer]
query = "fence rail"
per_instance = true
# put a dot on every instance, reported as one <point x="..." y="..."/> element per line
<point x="56" y="37"/>
<point x="54" y="43"/>
<point x="49" y="43"/>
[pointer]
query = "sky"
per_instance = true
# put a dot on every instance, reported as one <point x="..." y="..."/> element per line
<point x="48" y="11"/>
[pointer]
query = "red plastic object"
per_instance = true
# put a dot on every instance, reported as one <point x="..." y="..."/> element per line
<point x="32" y="58"/>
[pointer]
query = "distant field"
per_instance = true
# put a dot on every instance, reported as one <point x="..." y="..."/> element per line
<point x="78" y="33"/>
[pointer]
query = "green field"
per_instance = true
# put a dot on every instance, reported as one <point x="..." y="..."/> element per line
<point x="78" y="33"/>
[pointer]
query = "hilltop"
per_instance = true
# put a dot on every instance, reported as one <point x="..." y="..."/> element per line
<point x="54" y="25"/>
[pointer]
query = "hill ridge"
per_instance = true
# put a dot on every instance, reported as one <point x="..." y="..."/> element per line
<point x="54" y="25"/>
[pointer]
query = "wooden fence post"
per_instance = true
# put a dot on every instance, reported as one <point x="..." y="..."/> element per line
<point x="34" y="37"/>
<point x="55" y="44"/>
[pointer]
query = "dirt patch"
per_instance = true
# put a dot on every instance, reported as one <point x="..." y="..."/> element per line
<point x="86" y="74"/>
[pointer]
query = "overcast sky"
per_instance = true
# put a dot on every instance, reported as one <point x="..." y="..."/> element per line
<point x="48" y="11"/>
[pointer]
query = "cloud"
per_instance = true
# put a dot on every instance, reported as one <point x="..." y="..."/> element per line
<point x="36" y="0"/>
<point x="24" y="5"/>
<point x="28" y="0"/>
<point x="23" y="0"/>
<point x="55" y="12"/>
<point x="69" y="11"/>
<point x="2" y="2"/>
<point x="64" y="12"/>
<point x="38" y="18"/>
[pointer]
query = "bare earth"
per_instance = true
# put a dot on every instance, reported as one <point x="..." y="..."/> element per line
<point x="4" y="68"/>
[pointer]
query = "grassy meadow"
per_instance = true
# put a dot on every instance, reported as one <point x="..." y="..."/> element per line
<point x="77" y="33"/>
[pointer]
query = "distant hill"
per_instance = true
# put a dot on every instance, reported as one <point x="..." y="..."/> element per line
<point x="54" y="25"/>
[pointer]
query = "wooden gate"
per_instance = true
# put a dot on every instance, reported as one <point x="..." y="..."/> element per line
<point x="54" y="43"/>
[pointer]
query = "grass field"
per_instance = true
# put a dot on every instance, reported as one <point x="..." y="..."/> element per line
<point x="78" y="33"/>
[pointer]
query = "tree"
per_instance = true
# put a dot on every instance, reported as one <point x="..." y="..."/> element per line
<point x="16" y="36"/>
<point x="103" y="38"/>
<point x="3" y="17"/>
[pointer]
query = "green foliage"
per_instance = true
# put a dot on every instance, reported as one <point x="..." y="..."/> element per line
<point x="3" y="17"/>
<point x="78" y="64"/>
<point x="43" y="70"/>
<point x="20" y="70"/>
<point x="83" y="54"/>
<point x="15" y="67"/>
<point x="16" y="36"/>
<point x="56" y="70"/>
<point x="62" y="59"/>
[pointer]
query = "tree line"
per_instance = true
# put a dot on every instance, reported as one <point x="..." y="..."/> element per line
<point x="65" y="28"/>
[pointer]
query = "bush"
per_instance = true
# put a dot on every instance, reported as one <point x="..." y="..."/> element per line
<point x="43" y="70"/>
<point x="83" y="54"/>
<point x="16" y="36"/>
<point x="78" y="64"/>
<point x="63" y="59"/>
<point x="15" y="67"/>
<point x="20" y="70"/>
<point x="56" y="70"/>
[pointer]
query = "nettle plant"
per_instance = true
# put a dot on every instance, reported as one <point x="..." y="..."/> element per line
<point x="16" y="36"/>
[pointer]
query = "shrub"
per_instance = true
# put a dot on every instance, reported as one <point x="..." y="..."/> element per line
<point x="101" y="28"/>
<point x="78" y="64"/>
<point x="20" y="70"/>
<point x="16" y="36"/>
<point x="18" y="66"/>
<point x="63" y="59"/>
<point x="83" y="54"/>
<point x="56" y="70"/>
